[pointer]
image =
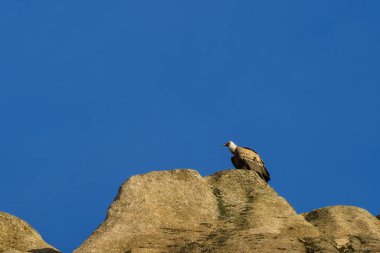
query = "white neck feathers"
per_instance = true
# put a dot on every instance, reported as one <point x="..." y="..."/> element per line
<point x="232" y="147"/>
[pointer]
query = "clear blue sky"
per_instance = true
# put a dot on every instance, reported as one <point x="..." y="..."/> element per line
<point x="92" y="92"/>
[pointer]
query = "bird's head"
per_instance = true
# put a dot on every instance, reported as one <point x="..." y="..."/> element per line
<point x="231" y="146"/>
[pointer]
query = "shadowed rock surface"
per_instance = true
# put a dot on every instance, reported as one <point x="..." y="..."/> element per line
<point x="18" y="236"/>
<point x="230" y="211"/>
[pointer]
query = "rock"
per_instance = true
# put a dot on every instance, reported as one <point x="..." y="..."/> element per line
<point x="349" y="227"/>
<point x="378" y="216"/>
<point x="155" y="210"/>
<point x="18" y="236"/>
<point x="180" y="211"/>
<point x="341" y="221"/>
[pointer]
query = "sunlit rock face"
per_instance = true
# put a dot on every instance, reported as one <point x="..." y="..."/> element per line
<point x="180" y="211"/>
<point x="18" y="236"/>
<point x="230" y="211"/>
<point x="348" y="227"/>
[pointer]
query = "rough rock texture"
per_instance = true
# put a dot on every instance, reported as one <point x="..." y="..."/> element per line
<point x="18" y="236"/>
<point x="350" y="228"/>
<point x="230" y="211"/>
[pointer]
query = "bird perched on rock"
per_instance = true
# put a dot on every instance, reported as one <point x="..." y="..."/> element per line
<point x="248" y="159"/>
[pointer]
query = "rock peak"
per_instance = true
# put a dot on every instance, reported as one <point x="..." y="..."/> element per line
<point x="229" y="211"/>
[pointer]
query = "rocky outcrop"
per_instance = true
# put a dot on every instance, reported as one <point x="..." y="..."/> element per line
<point x="180" y="211"/>
<point x="348" y="228"/>
<point x="18" y="236"/>
<point x="230" y="211"/>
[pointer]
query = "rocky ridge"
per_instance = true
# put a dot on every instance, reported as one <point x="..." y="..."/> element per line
<point x="180" y="211"/>
<point x="230" y="211"/>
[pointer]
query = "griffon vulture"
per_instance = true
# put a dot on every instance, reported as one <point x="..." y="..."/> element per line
<point x="248" y="159"/>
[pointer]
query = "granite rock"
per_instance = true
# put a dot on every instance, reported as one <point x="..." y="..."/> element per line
<point x="17" y="235"/>
<point x="230" y="211"/>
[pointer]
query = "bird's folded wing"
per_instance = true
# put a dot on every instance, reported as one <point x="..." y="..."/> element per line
<point x="253" y="162"/>
<point x="261" y="170"/>
<point x="250" y="155"/>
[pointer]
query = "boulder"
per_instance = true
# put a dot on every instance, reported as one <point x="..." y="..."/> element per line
<point x="17" y="235"/>
<point x="348" y="227"/>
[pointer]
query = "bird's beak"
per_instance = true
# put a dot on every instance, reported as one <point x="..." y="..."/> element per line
<point x="225" y="145"/>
